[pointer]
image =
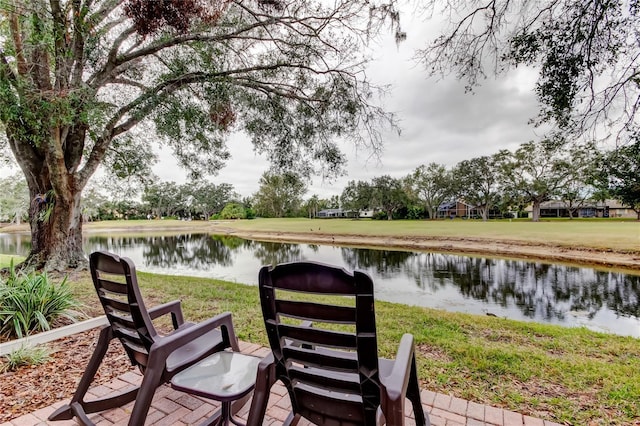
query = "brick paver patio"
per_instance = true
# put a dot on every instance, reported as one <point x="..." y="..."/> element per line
<point x="171" y="407"/>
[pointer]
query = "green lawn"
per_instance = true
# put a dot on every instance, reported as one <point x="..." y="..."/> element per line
<point x="5" y="260"/>
<point x="601" y="234"/>
<point x="604" y="234"/>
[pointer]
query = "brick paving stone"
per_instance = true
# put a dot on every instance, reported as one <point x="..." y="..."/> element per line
<point x="532" y="421"/>
<point x="132" y="377"/>
<point x="475" y="422"/>
<point x="172" y="418"/>
<point x="165" y="405"/>
<point x="26" y="420"/>
<point x="458" y="406"/>
<point x="475" y="411"/>
<point x="493" y="415"/>
<point x="427" y="397"/>
<point x="262" y="352"/>
<point x="188" y="401"/>
<point x="278" y="413"/>
<point x="512" y="419"/>
<point x="115" y="415"/>
<point x="442" y="401"/>
<point x="154" y="416"/>
<point x="279" y="389"/>
<point x="100" y="391"/>
<point x="249" y="348"/>
<point x="548" y="423"/>
<point x="43" y="413"/>
<point x="198" y="413"/>
<point x="284" y="403"/>
<point x="448" y="415"/>
<point x="97" y="418"/>
<point x="63" y="423"/>
<point x="437" y="421"/>
<point x="117" y="384"/>
<point x="164" y="391"/>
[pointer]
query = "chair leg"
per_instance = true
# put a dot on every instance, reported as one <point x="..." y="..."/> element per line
<point x="151" y="380"/>
<point x="77" y="405"/>
<point x="265" y="379"/>
<point x="413" y="393"/>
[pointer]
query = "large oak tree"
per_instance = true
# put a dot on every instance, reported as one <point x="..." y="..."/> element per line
<point x="90" y="82"/>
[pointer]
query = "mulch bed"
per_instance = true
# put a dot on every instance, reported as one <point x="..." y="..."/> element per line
<point x="32" y="387"/>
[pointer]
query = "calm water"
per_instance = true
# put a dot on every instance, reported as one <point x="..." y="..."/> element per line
<point x="559" y="294"/>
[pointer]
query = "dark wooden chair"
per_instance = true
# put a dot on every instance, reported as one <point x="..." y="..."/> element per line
<point x="159" y="357"/>
<point x="326" y="353"/>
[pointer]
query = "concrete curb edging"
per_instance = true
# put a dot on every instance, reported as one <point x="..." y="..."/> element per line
<point x="55" y="334"/>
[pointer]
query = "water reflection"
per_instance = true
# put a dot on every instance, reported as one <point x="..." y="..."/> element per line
<point x="560" y="294"/>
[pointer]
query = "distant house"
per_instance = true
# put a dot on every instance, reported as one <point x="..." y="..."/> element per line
<point x="366" y="213"/>
<point x="608" y="208"/>
<point x="337" y="213"/>
<point x="326" y="213"/>
<point x="457" y="208"/>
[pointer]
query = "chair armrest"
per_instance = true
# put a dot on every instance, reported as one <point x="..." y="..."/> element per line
<point x="167" y="344"/>
<point x="173" y="307"/>
<point x="393" y="387"/>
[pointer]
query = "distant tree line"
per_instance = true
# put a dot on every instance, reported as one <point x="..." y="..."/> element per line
<point x="507" y="182"/>
<point x="496" y="186"/>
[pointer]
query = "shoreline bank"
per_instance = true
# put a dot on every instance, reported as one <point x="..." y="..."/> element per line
<point x="471" y="246"/>
<point x="628" y="260"/>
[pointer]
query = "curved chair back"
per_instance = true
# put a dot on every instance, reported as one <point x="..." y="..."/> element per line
<point x="116" y="284"/>
<point x="331" y="368"/>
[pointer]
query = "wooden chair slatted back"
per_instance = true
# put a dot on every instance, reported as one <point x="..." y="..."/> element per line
<point x="117" y="287"/>
<point x="331" y="368"/>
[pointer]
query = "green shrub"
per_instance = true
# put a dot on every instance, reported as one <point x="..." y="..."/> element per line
<point x="31" y="302"/>
<point x="233" y="211"/>
<point x="379" y="216"/>
<point x="26" y="355"/>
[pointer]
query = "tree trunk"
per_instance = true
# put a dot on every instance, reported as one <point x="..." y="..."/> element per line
<point x="536" y="211"/>
<point x="430" y="211"/>
<point x="484" y="214"/>
<point x="56" y="230"/>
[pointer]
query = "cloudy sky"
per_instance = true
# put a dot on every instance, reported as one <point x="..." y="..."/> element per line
<point x="439" y="121"/>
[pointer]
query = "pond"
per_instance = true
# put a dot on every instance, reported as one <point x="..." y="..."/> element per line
<point x="602" y="300"/>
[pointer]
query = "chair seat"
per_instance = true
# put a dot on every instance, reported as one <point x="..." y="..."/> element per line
<point x="194" y="350"/>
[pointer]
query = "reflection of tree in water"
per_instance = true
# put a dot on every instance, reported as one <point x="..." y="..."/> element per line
<point x="385" y="263"/>
<point x="540" y="290"/>
<point x="196" y="251"/>
<point x="15" y="244"/>
<point x="270" y="253"/>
